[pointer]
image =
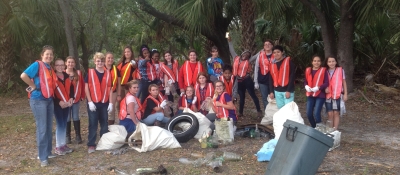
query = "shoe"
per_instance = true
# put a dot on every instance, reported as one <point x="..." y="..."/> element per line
<point x="157" y="123"/>
<point x="50" y="156"/>
<point x="111" y="122"/>
<point x="77" y="126"/>
<point x="60" y="151"/>
<point x="44" y="163"/>
<point x="91" y="149"/>
<point x="259" y="114"/>
<point x="67" y="149"/>
<point x="69" y="132"/>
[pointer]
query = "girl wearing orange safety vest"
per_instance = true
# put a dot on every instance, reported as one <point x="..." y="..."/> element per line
<point x="188" y="100"/>
<point x="189" y="71"/>
<point x="169" y="71"/>
<point x="203" y="90"/>
<point x="155" y="59"/>
<point x="261" y="70"/>
<point x="222" y="105"/>
<point x="147" y="72"/>
<point x="98" y="84"/>
<point x="315" y="82"/>
<point x="116" y="85"/>
<point x="242" y="71"/>
<point x="41" y="81"/>
<point x="337" y="87"/>
<point x="281" y="82"/>
<point x="79" y="94"/>
<point x="126" y="66"/>
<point x="64" y="99"/>
<point x="153" y="108"/>
<point x="130" y="108"/>
<point x="229" y="81"/>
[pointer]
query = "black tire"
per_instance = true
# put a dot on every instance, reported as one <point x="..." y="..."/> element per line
<point x="183" y="136"/>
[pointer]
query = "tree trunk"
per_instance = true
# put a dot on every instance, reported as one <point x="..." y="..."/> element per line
<point x="103" y="22"/>
<point x="7" y="59"/>
<point x="85" y="49"/>
<point x="345" y="41"/>
<point x="248" y="32"/>
<point x="69" y="30"/>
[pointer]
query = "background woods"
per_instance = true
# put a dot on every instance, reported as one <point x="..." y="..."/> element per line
<point x="362" y="34"/>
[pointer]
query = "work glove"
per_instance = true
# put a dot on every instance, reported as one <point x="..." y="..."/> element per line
<point x="308" y="89"/>
<point x="92" y="107"/>
<point x="315" y="89"/>
<point x="171" y="81"/>
<point x="133" y="62"/>
<point x="194" y="100"/>
<point x="167" y="91"/>
<point x="162" y="105"/>
<point x="256" y="86"/>
<point x="110" y="107"/>
<point x="209" y="60"/>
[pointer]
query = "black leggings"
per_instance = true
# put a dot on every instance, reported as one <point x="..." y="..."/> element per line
<point x="247" y="84"/>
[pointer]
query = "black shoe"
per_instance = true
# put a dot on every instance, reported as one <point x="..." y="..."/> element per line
<point x="69" y="132"/>
<point x="77" y="126"/>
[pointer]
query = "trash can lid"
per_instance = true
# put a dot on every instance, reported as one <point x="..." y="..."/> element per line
<point x="311" y="132"/>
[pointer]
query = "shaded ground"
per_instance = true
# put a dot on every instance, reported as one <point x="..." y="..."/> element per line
<point x="369" y="145"/>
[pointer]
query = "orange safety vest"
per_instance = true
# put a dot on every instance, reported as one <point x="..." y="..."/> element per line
<point x="264" y="63"/>
<point x="62" y="90"/>
<point x="171" y="73"/>
<point x="228" y="85"/>
<point x="241" y="67"/>
<point x="151" y="71"/>
<point x="209" y="92"/>
<point x="114" y="77"/>
<point x="281" y="76"/>
<point x="185" y="104"/>
<point x="317" y="80"/>
<point x="158" y="102"/>
<point x="190" y="76"/>
<point x="99" y="92"/>
<point x="123" y="112"/>
<point x="221" y="112"/>
<point x="335" y="84"/>
<point x="125" y="72"/>
<point x="79" y="85"/>
<point x="47" y="79"/>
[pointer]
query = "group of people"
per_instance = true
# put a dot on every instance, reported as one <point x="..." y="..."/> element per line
<point x="141" y="88"/>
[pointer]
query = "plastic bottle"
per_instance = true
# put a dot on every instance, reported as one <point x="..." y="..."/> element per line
<point x="257" y="133"/>
<point x="251" y="133"/>
<point x="185" y="161"/>
<point x="231" y="156"/>
<point x="214" y="140"/>
<point x="215" y="164"/>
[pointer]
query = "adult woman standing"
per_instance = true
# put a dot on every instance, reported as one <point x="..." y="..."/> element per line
<point x="79" y="94"/>
<point x="130" y="108"/>
<point x="41" y="91"/>
<point x="189" y="71"/>
<point x="116" y="85"/>
<point x="126" y="67"/>
<point x="64" y="99"/>
<point x="242" y="71"/>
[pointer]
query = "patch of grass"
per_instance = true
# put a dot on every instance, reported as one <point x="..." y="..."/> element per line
<point x="16" y="124"/>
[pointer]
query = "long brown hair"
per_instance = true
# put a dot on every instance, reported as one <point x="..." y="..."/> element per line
<point x="75" y="78"/>
<point x="123" y="58"/>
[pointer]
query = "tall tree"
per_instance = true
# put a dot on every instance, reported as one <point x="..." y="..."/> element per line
<point x="248" y="17"/>
<point x="69" y="30"/>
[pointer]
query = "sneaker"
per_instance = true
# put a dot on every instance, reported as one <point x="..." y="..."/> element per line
<point x="50" y="156"/>
<point x="91" y="149"/>
<point x="60" y="151"/>
<point x="44" y="163"/>
<point x="67" y="149"/>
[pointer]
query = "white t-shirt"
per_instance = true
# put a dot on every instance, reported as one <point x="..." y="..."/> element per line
<point x="131" y="99"/>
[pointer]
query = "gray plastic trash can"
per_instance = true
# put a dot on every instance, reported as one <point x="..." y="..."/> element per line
<point x="299" y="151"/>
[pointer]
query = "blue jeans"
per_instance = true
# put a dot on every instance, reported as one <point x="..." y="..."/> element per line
<point x="43" y="111"/>
<point x="95" y="117"/>
<point x="74" y="112"/>
<point x="264" y="93"/>
<point x="128" y="124"/>
<point x="149" y="120"/>
<point x="61" y="116"/>
<point x="317" y="103"/>
<point x="281" y="100"/>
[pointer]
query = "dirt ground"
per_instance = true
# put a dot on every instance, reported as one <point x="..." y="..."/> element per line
<point x="370" y="144"/>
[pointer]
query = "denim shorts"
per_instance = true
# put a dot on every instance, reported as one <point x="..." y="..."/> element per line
<point x="329" y="106"/>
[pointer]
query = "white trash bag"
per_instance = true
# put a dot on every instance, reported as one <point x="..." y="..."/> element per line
<point x="270" y="110"/>
<point x="108" y="140"/>
<point x="288" y="112"/>
<point x="153" y="137"/>
<point x="204" y="123"/>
